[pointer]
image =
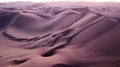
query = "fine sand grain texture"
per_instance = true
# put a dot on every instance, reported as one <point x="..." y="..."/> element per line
<point x="58" y="35"/>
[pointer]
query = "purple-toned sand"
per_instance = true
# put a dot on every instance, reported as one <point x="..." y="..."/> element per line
<point x="59" y="34"/>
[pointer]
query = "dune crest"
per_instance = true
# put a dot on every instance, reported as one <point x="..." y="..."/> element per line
<point x="56" y="37"/>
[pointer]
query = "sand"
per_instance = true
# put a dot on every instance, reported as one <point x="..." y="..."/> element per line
<point x="41" y="35"/>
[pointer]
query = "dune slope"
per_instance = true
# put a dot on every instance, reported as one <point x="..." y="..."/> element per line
<point x="69" y="38"/>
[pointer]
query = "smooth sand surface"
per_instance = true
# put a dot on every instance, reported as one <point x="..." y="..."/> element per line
<point x="55" y="37"/>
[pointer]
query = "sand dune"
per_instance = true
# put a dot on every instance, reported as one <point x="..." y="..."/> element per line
<point x="56" y="37"/>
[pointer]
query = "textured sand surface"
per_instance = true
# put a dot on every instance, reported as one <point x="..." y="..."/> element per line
<point x="36" y="35"/>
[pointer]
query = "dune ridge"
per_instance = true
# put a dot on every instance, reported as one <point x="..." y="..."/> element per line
<point x="69" y="37"/>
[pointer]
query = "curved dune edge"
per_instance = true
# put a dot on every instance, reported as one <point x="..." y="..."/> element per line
<point x="68" y="39"/>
